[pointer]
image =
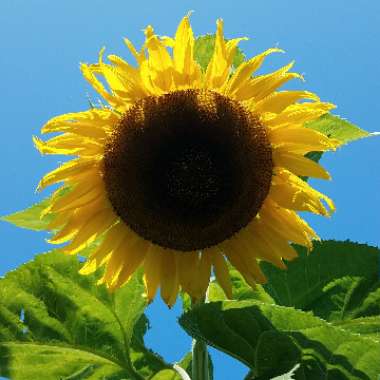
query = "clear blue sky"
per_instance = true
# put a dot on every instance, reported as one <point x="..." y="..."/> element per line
<point x="335" y="45"/>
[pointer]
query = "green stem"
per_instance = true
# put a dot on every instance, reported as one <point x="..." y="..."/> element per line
<point x="199" y="368"/>
<point x="200" y="365"/>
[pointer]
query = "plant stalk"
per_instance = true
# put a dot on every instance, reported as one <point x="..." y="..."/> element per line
<point x="200" y="367"/>
<point x="200" y="364"/>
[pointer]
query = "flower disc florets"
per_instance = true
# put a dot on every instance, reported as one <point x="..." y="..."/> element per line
<point x="188" y="169"/>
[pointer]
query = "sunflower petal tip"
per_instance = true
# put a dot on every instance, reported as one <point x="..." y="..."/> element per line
<point x="148" y="31"/>
<point x="50" y="240"/>
<point x="38" y="143"/>
<point x="276" y="49"/>
<point x="40" y="187"/>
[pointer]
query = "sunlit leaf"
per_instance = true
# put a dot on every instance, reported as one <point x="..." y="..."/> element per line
<point x="31" y="218"/>
<point x="272" y="339"/>
<point x="58" y="323"/>
<point x="204" y="48"/>
<point x="337" y="128"/>
<point x="308" y="283"/>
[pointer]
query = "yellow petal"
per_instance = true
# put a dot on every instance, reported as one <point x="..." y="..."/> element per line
<point x="116" y="262"/>
<point x="218" y="68"/>
<point x="299" y="114"/>
<point x="183" y="51"/>
<point x="152" y="270"/>
<point x="187" y="270"/>
<point x="231" y="46"/>
<point x="269" y="245"/>
<point x="287" y="223"/>
<point x="168" y="41"/>
<point x="299" y="164"/>
<point x="169" y="277"/>
<point x="160" y="64"/>
<point x="291" y="192"/>
<point x="69" y="144"/>
<point x="88" y="71"/>
<point x="59" y="220"/>
<point x="90" y="230"/>
<point x="77" y="198"/>
<point x="261" y="86"/>
<point x="93" y="123"/>
<point x="244" y="262"/>
<point x="204" y="273"/>
<point x="134" y="255"/>
<point x="134" y="88"/>
<point x="140" y="57"/>
<point x="72" y="226"/>
<point x="255" y="244"/>
<point x="300" y="139"/>
<point x="68" y="170"/>
<point x="221" y="271"/>
<point x="245" y="70"/>
<point x="63" y="197"/>
<point x="111" y="241"/>
<point x="278" y="101"/>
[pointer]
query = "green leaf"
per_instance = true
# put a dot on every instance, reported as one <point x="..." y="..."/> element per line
<point x="30" y="218"/>
<point x="368" y="326"/>
<point x="349" y="297"/>
<point x="337" y="128"/>
<point x="35" y="361"/>
<point x="315" y="281"/>
<point x="59" y="324"/>
<point x="204" y="49"/>
<point x="166" y="374"/>
<point x="240" y="289"/>
<point x="272" y="339"/>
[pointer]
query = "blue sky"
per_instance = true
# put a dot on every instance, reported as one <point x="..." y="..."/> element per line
<point x="334" y="43"/>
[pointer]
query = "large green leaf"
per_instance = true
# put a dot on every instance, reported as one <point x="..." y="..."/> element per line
<point x="368" y="326"/>
<point x="271" y="339"/>
<point x="349" y="297"/>
<point x="336" y="280"/>
<point x="59" y="324"/>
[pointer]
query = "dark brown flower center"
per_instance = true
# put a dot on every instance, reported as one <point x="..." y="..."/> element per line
<point x="188" y="169"/>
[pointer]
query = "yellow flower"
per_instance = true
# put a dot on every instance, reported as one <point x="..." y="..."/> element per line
<point x="184" y="169"/>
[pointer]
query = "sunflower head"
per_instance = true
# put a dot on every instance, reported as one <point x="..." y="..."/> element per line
<point x="186" y="169"/>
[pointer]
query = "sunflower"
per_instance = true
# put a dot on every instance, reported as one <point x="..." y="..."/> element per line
<point x="185" y="170"/>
